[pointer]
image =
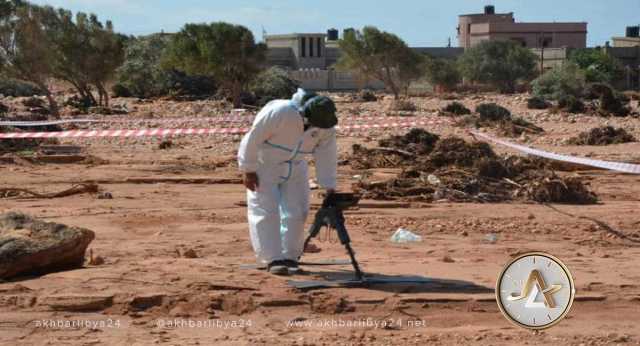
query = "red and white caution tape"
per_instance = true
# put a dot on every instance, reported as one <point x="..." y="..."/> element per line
<point x="613" y="166"/>
<point x="176" y="132"/>
<point x="229" y="119"/>
<point x="122" y="133"/>
<point x="124" y="120"/>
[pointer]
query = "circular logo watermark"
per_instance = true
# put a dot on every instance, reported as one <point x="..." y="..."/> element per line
<point x="535" y="290"/>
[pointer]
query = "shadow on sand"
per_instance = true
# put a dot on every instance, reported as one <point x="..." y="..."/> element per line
<point x="387" y="283"/>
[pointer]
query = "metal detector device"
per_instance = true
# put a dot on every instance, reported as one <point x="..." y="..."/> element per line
<point x="330" y="216"/>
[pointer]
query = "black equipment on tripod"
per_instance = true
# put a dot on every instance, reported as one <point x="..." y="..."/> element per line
<point x="330" y="215"/>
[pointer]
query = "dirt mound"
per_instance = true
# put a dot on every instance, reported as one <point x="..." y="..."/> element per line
<point x="454" y="151"/>
<point x="416" y="141"/>
<point x="493" y="115"/>
<point x="459" y="171"/>
<point x="30" y="246"/>
<point x="603" y="136"/>
<point x="394" y="151"/>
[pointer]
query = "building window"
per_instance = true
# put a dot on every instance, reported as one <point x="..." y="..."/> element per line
<point x="319" y="47"/>
<point x="546" y="42"/>
<point x="311" y="47"/>
<point x="303" y="47"/>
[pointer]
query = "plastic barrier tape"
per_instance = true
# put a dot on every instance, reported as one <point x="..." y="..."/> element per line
<point x="239" y="119"/>
<point x="613" y="166"/>
<point x="175" y="132"/>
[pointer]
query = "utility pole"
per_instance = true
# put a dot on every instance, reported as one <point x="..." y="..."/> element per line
<point x="541" y="43"/>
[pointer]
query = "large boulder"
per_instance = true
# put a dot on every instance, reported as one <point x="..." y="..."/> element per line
<point x="30" y="246"/>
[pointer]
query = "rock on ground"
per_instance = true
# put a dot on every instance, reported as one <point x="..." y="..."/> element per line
<point x="31" y="246"/>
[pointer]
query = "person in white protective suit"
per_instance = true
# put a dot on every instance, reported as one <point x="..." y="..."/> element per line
<point x="272" y="158"/>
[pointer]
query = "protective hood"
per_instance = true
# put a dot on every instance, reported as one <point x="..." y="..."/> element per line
<point x="320" y="112"/>
<point x="301" y="97"/>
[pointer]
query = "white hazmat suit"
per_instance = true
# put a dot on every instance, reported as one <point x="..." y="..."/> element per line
<point x="274" y="148"/>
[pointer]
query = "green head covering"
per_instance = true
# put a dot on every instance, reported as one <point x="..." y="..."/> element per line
<point x="321" y="112"/>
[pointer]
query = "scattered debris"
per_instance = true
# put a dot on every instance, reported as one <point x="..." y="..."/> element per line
<point x="75" y="190"/>
<point x="603" y="136"/>
<point x="448" y="259"/>
<point x="189" y="253"/>
<point x="60" y="149"/>
<point x="31" y="246"/>
<point x="491" y="238"/>
<point x="105" y="195"/>
<point x="166" y="144"/>
<point x="454" y="170"/>
<point x="405" y="236"/>
<point x="95" y="261"/>
<point x="77" y="303"/>
<point x="493" y="115"/>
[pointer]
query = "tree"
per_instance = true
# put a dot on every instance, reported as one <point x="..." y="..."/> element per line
<point x="27" y="51"/>
<point x="560" y="83"/>
<point x="106" y="55"/>
<point x="90" y="53"/>
<point x="599" y="66"/>
<point x="226" y="52"/>
<point x="442" y="73"/>
<point x="499" y="63"/>
<point x="377" y="54"/>
<point x="141" y="73"/>
<point x="273" y="83"/>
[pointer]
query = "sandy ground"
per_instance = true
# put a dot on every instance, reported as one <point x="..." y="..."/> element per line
<point x="146" y="284"/>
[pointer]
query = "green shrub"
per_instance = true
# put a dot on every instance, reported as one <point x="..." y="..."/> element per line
<point x="571" y="104"/>
<point x="560" y="82"/>
<point x="17" y="88"/>
<point x="537" y="102"/>
<point x="598" y="65"/>
<point x="493" y="112"/>
<point x="457" y="108"/>
<point x="271" y="84"/>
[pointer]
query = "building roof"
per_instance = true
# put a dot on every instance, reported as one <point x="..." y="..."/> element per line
<point x="483" y="14"/>
<point x="294" y="35"/>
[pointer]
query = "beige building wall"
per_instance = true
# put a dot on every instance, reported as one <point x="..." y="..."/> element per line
<point x="626" y="41"/>
<point x="476" y="28"/>
<point x="308" y="50"/>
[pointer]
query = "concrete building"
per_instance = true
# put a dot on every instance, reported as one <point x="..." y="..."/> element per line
<point x="475" y="28"/>
<point x="631" y="39"/>
<point x="297" y="51"/>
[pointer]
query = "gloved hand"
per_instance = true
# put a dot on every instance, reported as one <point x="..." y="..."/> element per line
<point x="251" y="181"/>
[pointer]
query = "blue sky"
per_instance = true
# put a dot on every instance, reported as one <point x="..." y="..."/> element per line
<point x="419" y="22"/>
